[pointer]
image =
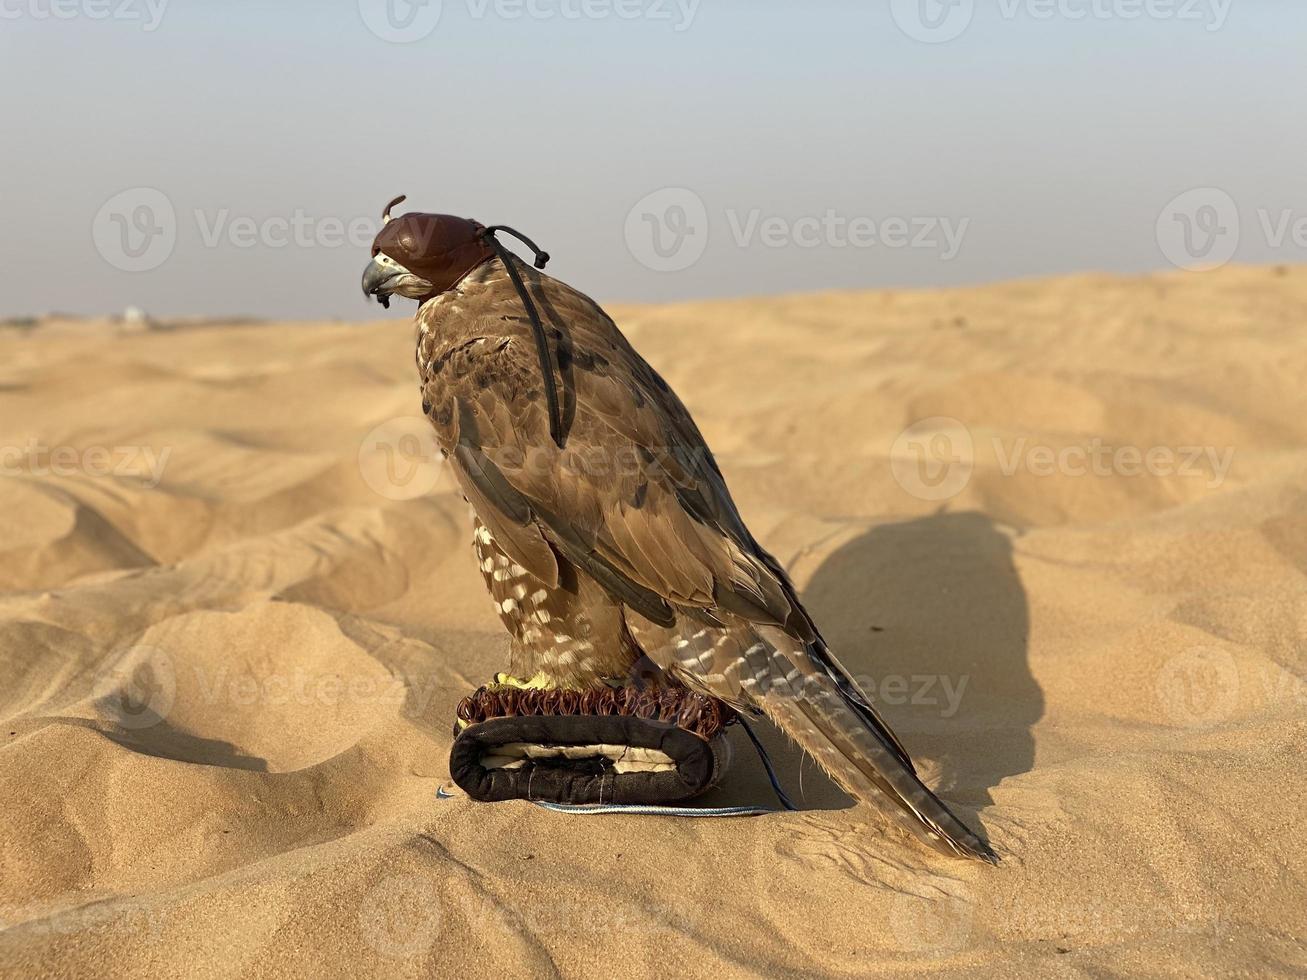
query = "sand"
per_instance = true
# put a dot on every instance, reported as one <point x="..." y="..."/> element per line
<point x="239" y="604"/>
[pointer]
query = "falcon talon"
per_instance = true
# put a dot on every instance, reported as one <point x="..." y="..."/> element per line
<point x="596" y="571"/>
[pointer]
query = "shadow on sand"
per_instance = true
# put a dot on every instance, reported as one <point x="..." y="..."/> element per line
<point x="931" y="618"/>
<point x="156" y="737"/>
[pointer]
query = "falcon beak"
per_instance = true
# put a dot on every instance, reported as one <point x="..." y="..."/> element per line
<point x="379" y="280"/>
<point x="384" y="278"/>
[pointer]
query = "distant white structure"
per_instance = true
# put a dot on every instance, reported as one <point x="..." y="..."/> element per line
<point x="135" y="318"/>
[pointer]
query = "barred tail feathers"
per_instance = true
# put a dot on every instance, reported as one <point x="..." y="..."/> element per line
<point x="809" y="695"/>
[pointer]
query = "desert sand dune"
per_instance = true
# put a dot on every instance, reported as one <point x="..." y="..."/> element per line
<point x="238" y="604"/>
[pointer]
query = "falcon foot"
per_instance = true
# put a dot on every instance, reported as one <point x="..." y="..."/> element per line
<point x="605" y="745"/>
<point x="537" y="683"/>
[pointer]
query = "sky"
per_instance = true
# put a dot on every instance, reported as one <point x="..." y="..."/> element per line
<point x="231" y="157"/>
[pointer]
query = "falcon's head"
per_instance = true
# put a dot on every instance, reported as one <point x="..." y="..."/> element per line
<point x="420" y="255"/>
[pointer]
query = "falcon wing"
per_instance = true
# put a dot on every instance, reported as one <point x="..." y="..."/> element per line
<point x="634" y="498"/>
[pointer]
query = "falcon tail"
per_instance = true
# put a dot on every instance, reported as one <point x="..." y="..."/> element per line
<point x="811" y="697"/>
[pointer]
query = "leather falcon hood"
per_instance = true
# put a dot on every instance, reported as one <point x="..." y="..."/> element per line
<point x="441" y="248"/>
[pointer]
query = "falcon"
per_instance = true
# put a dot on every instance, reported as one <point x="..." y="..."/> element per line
<point x="602" y="524"/>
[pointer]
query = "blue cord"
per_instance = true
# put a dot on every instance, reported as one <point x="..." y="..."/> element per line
<point x="766" y="764"/>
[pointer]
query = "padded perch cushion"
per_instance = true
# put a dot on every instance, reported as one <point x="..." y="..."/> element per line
<point x="613" y="756"/>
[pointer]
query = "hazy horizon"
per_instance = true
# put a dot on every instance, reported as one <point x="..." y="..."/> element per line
<point x="231" y="159"/>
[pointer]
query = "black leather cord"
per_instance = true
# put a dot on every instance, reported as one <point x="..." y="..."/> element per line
<point x="537" y="327"/>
